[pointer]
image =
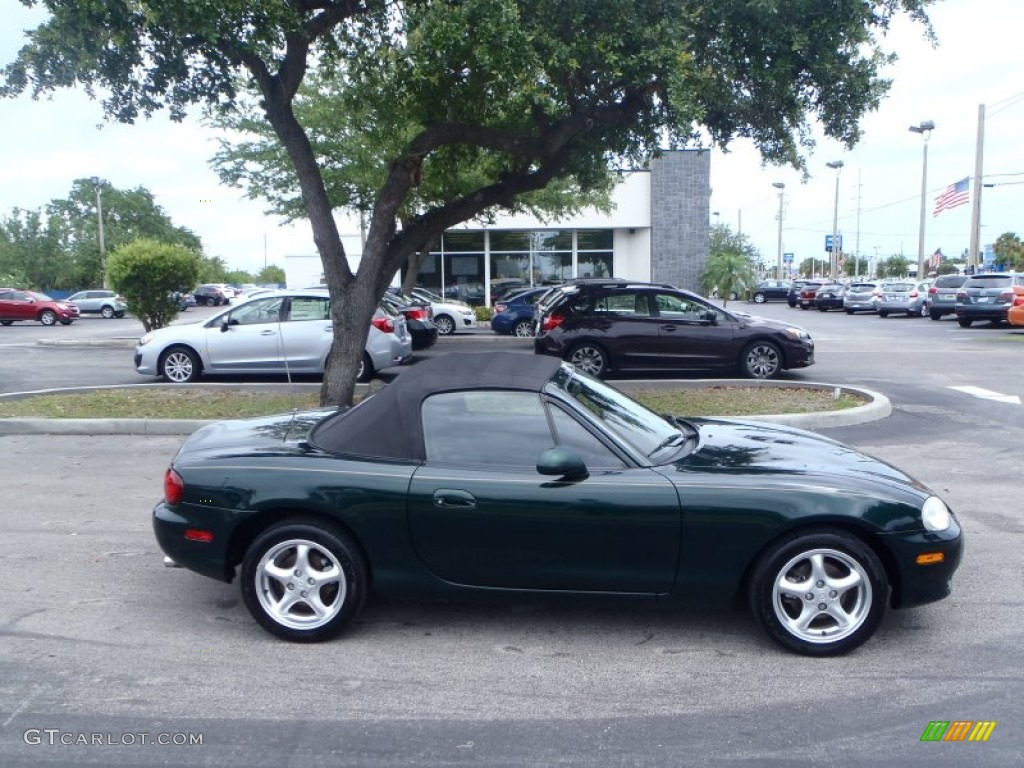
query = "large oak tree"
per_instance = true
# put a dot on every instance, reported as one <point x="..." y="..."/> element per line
<point x="543" y="89"/>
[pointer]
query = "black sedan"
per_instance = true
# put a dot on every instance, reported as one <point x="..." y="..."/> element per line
<point x="590" y="495"/>
<point x="830" y="296"/>
<point x="770" y="290"/>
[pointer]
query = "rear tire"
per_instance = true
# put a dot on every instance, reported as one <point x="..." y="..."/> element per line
<point x="964" y="322"/>
<point x="304" y="581"/>
<point x="849" y="311"/>
<point x="523" y="329"/>
<point x="759" y="298"/>
<point x="366" y="371"/>
<point x="882" y="314"/>
<point x="107" y="312"/>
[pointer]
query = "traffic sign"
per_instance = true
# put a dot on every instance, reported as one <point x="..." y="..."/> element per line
<point x="828" y="243"/>
<point x="787" y="258"/>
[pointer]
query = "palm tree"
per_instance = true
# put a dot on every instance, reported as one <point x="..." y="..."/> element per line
<point x="730" y="272"/>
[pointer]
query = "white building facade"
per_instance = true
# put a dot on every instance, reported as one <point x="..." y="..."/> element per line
<point x="656" y="231"/>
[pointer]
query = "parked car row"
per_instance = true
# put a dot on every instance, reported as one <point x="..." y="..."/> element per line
<point x="970" y="297"/>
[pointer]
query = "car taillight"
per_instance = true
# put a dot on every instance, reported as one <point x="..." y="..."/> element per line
<point x="877" y="294"/>
<point x="416" y="314"/>
<point x="913" y="294"/>
<point x="933" y="289"/>
<point x="1018" y="301"/>
<point x="174" y="487"/>
<point x="383" y="324"/>
<point x="499" y="308"/>
<point x="551" y="322"/>
<point x="1005" y="297"/>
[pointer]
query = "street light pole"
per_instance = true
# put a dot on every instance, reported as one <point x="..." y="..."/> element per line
<point x="837" y="165"/>
<point x="782" y="191"/>
<point x="98" y="185"/>
<point x="925" y="128"/>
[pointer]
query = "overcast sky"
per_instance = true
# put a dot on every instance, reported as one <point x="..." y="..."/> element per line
<point x="49" y="143"/>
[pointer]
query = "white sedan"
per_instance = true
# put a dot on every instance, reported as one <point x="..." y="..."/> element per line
<point x="287" y="332"/>
<point x="449" y="316"/>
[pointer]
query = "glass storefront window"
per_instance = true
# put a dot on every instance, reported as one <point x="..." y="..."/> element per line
<point x="505" y="242"/>
<point x="458" y="241"/>
<point x="551" y="268"/>
<point x="594" y="264"/>
<point x="594" y="240"/>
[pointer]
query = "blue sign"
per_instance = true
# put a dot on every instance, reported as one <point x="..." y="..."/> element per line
<point x="828" y="243"/>
<point x="787" y="258"/>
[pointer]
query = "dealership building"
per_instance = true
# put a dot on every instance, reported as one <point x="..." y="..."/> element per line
<point x="657" y="230"/>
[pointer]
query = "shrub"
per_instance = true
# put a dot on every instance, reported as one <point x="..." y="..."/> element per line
<point x="148" y="273"/>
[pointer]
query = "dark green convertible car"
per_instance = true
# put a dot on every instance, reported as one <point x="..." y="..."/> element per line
<point x="487" y="475"/>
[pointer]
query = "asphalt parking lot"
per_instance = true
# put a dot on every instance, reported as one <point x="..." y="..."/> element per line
<point x="97" y="637"/>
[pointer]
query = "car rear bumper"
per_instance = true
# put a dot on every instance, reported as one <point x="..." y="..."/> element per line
<point x="982" y="311"/>
<point x="208" y="558"/>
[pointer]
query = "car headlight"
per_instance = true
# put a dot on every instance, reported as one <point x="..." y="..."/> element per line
<point x="798" y="333"/>
<point x="145" y="339"/>
<point x="935" y="514"/>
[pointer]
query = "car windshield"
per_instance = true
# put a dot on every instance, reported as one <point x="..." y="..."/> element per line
<point x="645" y="430"/>
<point x="38" y="296"/>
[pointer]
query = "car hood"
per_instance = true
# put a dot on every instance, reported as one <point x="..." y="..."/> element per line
<point x="764" y="322"/>
<point x="269" y="435"/>
<point x="793" y="455"/>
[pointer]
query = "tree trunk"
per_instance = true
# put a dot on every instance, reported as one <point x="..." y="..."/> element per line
<point x="415" y="261"/>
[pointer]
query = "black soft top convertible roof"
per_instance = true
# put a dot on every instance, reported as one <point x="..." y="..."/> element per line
<point x="388" y="425"/>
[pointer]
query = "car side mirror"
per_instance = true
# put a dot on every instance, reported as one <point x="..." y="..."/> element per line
<point x="710" y="318"/>
<point x="562" y="462"/>
<point x="225" y="324"/>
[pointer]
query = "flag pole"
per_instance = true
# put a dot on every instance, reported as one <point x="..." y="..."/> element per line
<point x="972" y="259"/>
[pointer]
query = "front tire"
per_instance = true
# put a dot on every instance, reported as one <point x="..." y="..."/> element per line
<point x="964" y="322"/>
<point x="589" y="358"/>
<point x="211" y="301"/>
<point x="761" y="360"/>
<point x="179" y="365"/>
<point x="819" y="593"/>
<point x="934" y="315"/>
<point x="759" y="298"/>
<point x="304" y="581"/>
<point x="882" y="314"/>
<point x="48" y="317"/>
<point x="445" y="325"/>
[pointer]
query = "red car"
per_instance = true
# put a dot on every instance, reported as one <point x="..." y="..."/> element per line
<point x="807" y="295"/>
<point x="18" y="305"/>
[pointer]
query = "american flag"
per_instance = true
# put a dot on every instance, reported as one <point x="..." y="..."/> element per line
<point x="952" y="196"/>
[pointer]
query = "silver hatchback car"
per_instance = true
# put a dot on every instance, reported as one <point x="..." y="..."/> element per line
<point x="287" y="332"/>
<point x="904" y="297"/>
<point x="101" y="302"/>
<point x="861" y="297"/>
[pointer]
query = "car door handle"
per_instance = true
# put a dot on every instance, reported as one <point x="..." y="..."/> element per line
<point x="267" y="332"/>
<point x="668" y="327"/>
<point x="449" y="499"/>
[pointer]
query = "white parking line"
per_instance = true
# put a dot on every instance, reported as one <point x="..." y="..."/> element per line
<point x="987" y="394"/>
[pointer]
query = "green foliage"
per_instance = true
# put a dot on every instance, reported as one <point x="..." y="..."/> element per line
<point x="855" y="266"/>
<point x="892" y="266"/>
<point x="483" y="314"/>
<point x="147" y="272"/>
<point x="731" y="264"/>
<point x="271" y="274"/>
<point x="946" y="268"/>
<point x="471" y="105"/>
<point x="1009" y="250"/>
<point x="814" y="267"/>
<point x="60" y="247"/>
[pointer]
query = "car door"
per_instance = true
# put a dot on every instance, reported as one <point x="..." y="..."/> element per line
<point x="248" y="338"/>
<point x="623" y="322"/>
<point x="481" y="515"/>
<point x="693" y="336"/>
<point x="307" y="334"/>
<point x="18" y="305"/>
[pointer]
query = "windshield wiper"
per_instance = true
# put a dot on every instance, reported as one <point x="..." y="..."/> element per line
<point x="668" y="441"/>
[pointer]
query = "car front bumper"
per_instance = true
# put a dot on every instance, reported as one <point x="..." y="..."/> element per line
<point x="914" y="583"/>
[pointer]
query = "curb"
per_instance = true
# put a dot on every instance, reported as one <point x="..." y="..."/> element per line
<point x="877" y="407"/>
